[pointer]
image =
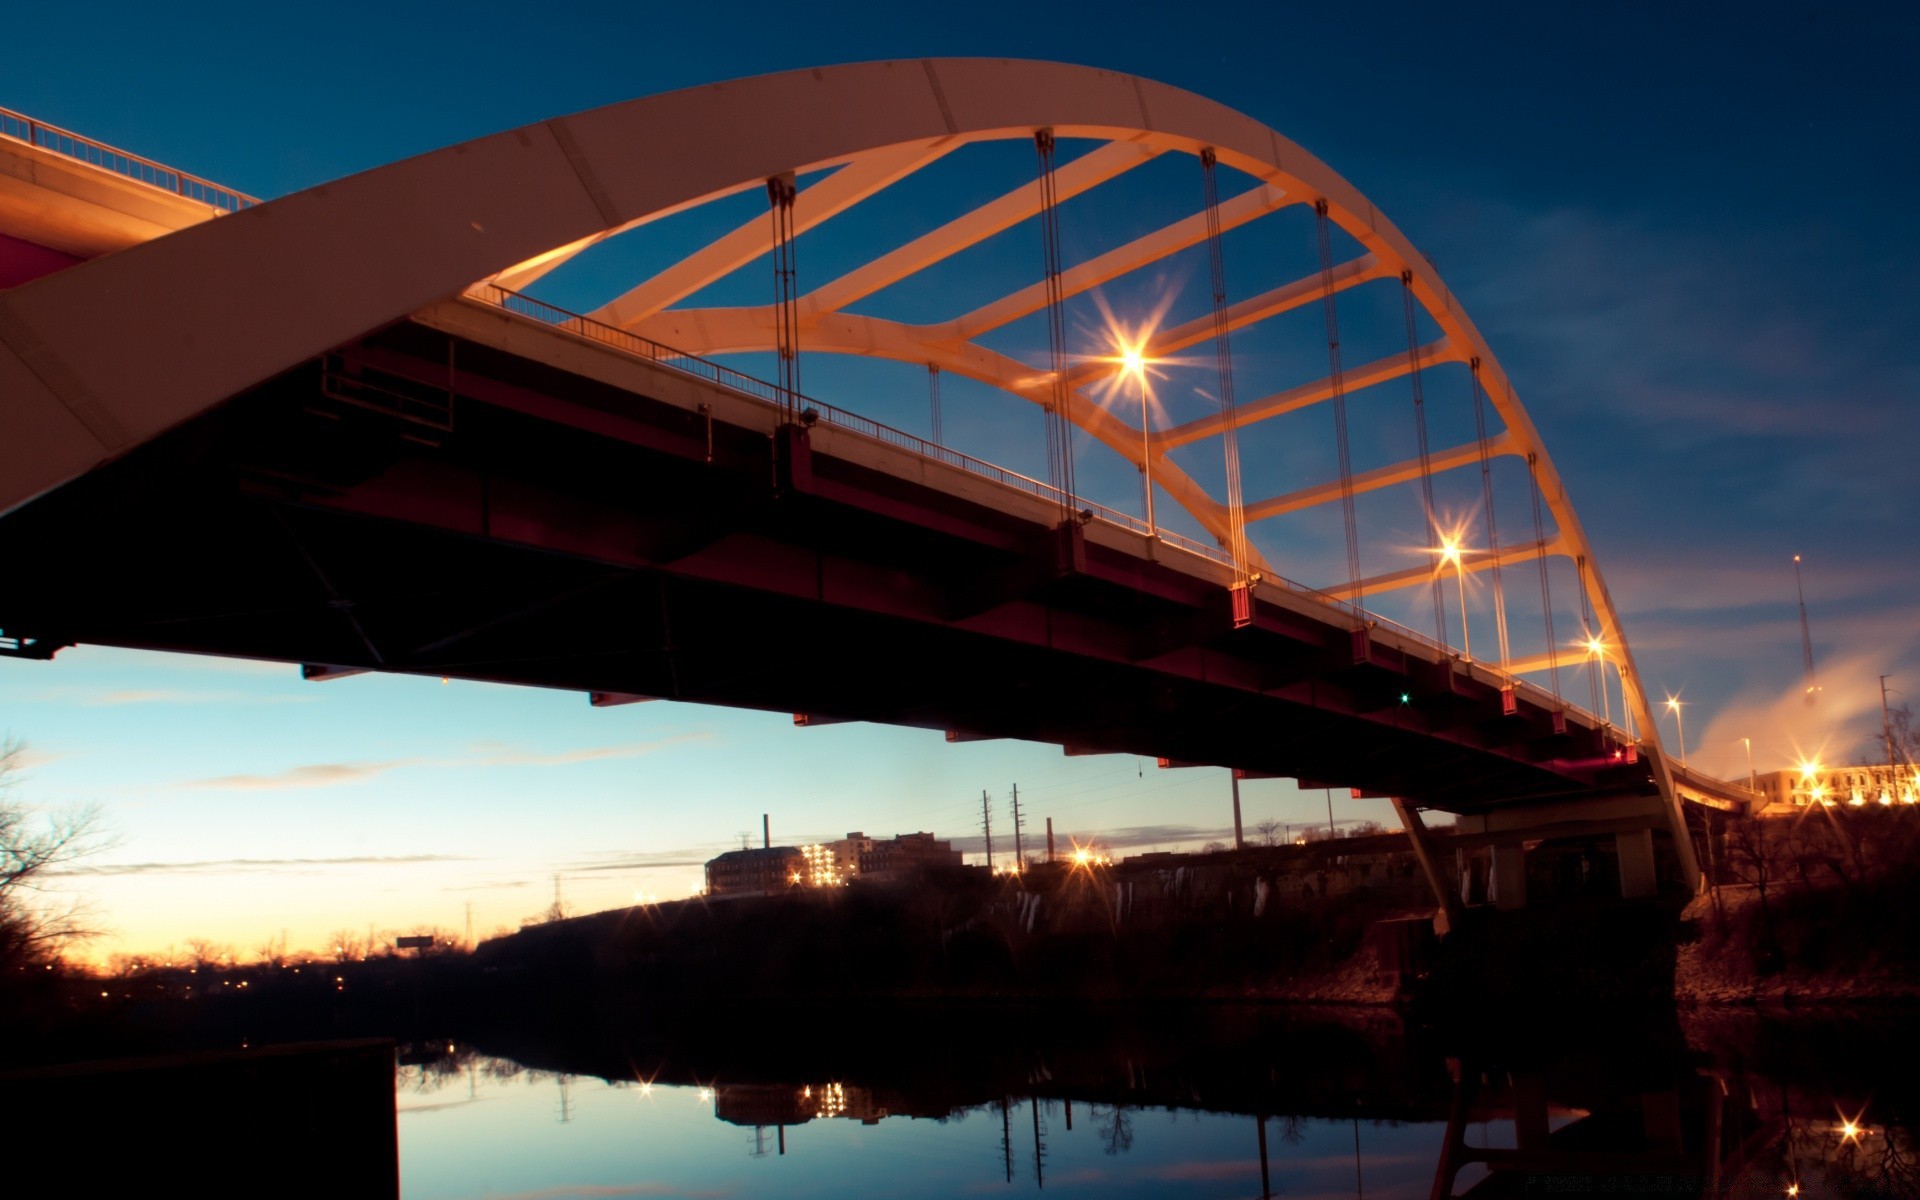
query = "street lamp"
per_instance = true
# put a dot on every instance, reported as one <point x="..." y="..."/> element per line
<point x="1597" y="650"/>
<point x="1134" y="362"/>
<point x="1450" y="552"/>
<point x="1680" y="721"/>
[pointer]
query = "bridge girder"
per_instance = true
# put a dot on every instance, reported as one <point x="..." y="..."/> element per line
<point x="286" y="282"/>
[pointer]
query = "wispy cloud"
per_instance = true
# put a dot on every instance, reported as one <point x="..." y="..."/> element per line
<point x="185" y="696"/>
<point x="613" y="1191"/>
<point x="310" y="775"/>
<point x="693" y="856"/>
<point x="230" y="866"/>
<point x="485" y="754"/>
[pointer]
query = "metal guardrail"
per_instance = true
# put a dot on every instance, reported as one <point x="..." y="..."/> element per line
<point x="22" y="128"/>
<point x="591" y="330"/>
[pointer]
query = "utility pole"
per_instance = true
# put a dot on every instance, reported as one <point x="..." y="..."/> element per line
<point x="1239" y="839"/>
<point x="1049" y="839"/>
<point x="469" y="924"/>
<point x="1806" y="637"/>
<point x="1886" y="730"/>
<point x="1019" y="852"/>
<point x="1330" y="812"/>
<point x="986" y="826"/>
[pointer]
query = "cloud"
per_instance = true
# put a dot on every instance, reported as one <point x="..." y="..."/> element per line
<point x="228" y="866"/>
<point x="486" y="754"/>
<point x="648" y="860"/>
<point x="1838" y="727"/>
<point x="311" y="775"/>
<point x="183" y="696"/>
<point x="611" y="1191"/>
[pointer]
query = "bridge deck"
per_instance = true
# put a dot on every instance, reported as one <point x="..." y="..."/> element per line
<point x="478" y="494"/>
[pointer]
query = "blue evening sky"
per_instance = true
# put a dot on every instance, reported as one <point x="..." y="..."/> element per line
<point x="1685" y="230"/>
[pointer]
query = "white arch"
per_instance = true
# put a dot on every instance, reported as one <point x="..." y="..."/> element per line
<point x="97" y="359"/>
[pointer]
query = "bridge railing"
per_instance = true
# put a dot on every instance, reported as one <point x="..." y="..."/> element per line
<point x="760" y="389"/>
<point x="22" y="128"/>
<point x="765" y="392"/>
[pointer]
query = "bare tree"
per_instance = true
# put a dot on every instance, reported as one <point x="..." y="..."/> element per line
<point x="346" y="946"/>
<point x="1898" y="738"/>
<point x="1115" y="1127"/>
<point x="209" y="954"/>
<point x="1268" y="832"/>
<point x="35" y="844"/>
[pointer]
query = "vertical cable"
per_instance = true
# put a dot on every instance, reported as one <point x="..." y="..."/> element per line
<point x="780" y="194"/>
<point x="1337" y="377"/>
<point x="1059" y="426"/>
<point x="1596" y="663"/>
<point x="1426" y="457"/>
<point x="1223" y="355"/>
<point x="1546" y="589"/>
<point x="1486" y="496"/>
<point x="933" y="397"/>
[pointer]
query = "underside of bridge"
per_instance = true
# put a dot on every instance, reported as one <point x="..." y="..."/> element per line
<point x="423" y="502"/>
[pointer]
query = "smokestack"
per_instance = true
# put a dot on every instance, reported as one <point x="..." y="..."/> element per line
<point x="1049" y="839"/>
<point x="766" y="833"/>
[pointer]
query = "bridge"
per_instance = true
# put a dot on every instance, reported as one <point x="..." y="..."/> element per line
<point x="349" y="428"/>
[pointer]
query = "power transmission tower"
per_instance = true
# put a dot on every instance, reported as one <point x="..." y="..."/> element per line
<point x="1806" y="636"/>
<point x="1019" y="852"/>
<point x="1886" y="731"/>
<point x="986" y="826"/>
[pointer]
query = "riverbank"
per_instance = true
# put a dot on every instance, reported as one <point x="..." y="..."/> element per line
<point x="1830" y="944"/>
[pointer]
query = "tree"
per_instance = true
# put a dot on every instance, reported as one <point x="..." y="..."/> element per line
<point x="346" y="946"/>
<point x="35" y="843"/>
<point x="1268" y="831"/>
<point x="1901" y="727"/>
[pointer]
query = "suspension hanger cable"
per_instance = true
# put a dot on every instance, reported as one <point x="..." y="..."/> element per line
<point x="1223" y="356"/>
<point x="1337" y="378"/>
<point x="1059" y="425"/>
<point x="1486" y="496"/>
<point x="1426" y="457"/>
<point x="780" y="196"/>
<point x="1546" y="588"/>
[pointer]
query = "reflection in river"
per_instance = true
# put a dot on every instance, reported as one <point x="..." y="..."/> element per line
<point x="1260" y="1108"/>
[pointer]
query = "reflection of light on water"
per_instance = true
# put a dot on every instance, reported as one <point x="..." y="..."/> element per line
<point x="833" y="1100"/>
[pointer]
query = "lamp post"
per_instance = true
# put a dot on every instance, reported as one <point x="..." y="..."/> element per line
<point x="1450" y="552"/>
<point x="1598" y="650"/>
<point x="1680" y="722"/>
<point x="1134" y="363"/>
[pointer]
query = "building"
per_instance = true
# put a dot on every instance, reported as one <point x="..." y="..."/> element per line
<point x="1796" y="788"/>
<point x="774" y="869"/>
<point x="899" y="857"/>
<point x="756" y="872"/>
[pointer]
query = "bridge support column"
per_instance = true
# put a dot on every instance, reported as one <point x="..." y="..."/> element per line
<point x="1417" y="837"/>
<point x="1635" y="850"/>
<point x="1509" y="875"/>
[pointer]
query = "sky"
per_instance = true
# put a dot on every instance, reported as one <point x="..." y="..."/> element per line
<point x="1684" y="229"/>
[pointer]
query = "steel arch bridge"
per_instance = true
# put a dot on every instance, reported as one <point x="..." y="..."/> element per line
<point x="103" y="362"/>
